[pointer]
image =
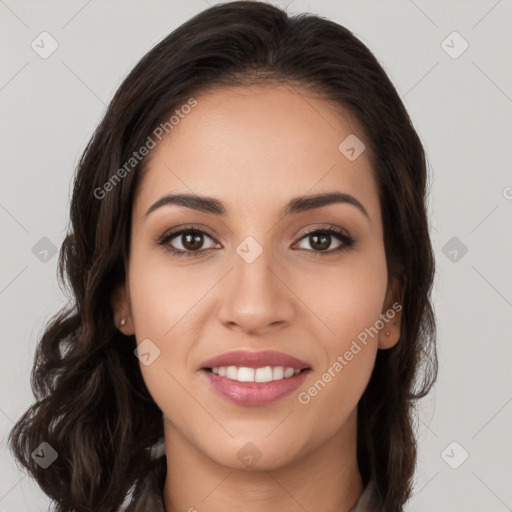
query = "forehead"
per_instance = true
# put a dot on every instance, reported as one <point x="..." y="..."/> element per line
<point x="258" y="145"/>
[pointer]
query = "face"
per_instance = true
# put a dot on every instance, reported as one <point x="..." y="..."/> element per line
<point x="248" y="277"/>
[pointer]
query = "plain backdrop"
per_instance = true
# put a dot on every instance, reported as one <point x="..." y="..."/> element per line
<point x="450" y="62"/>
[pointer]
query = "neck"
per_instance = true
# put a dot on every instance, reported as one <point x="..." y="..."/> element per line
<point x="327" y="478"/>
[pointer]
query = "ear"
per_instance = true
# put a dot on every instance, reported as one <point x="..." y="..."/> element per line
<point x="391" y="316"/>
<point x="122" y="311"/>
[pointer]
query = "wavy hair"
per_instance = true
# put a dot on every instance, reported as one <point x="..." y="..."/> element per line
<point x="92" y="405"/>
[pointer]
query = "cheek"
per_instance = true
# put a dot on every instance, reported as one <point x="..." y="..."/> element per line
<point x="162" y="301"/>
<point x="349" y="302"/>
<point x="332" y="397"/>
<point x="349" y="298"/>
<point x="162" y="295"/>
<point x="348" y="353"/>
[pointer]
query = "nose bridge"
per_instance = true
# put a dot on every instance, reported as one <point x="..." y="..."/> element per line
<point x="253" y="268"/>
<point x="255" y="298"/>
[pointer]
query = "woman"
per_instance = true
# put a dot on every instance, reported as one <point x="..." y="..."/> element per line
<point x="251" y="269"/>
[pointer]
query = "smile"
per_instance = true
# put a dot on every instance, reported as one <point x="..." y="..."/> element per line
<point x="253" y="378"/>
<point x="251" y="392"/>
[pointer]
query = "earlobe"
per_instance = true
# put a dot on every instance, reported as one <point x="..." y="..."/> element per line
<point x="121" y="308"/>
<point x="390" y="334"/>
<point x="391" y="316"/>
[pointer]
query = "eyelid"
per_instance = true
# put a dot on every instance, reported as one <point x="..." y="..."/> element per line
<point x="184" y="227"/>
<point x="323" y="228"/>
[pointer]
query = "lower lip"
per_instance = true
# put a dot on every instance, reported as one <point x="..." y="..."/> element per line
<point x="254" y="393"/>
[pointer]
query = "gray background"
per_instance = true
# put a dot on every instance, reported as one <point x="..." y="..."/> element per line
<point x="461" y="109"/>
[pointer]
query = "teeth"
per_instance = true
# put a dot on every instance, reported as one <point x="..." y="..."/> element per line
<point x="231" y="372"/>
<point x="264" y="374"/>
<point x="288" y="372"/>
<point x="277" y="373"/>
<point x="242" y="374"/>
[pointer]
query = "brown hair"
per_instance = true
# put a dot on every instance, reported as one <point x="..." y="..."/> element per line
<point x="92" y="405"/>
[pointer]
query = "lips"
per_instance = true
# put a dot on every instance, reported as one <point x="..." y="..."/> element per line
<point x="254" y="393"/>
<point x="244" y="358"/>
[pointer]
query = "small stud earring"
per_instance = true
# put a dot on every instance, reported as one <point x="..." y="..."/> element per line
<point x="387" y="333"/>
<point x="122" y="322"/>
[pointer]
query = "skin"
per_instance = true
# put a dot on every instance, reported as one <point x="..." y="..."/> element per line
<point x="255" y="148"/>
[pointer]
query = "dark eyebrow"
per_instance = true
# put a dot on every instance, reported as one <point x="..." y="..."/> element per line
<point x="295" y="205"/>
<point x="304" y="203"/>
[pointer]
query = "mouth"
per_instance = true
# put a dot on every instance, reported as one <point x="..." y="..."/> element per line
<point x="254" y="378"/>
<point x="252" y="393"/>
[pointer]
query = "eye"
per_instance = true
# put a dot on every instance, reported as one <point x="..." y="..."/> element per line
<point x="320" y="239"/>
<point x="189" y="242"/>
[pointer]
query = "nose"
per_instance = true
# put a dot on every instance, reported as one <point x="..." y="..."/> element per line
<point x="255" y="298"/>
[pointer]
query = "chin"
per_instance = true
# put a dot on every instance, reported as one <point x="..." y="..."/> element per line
<point x="246" y="455"/>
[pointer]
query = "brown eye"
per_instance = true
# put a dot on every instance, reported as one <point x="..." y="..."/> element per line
<point x="320" y="240"/>
<point x="190" y="242"/>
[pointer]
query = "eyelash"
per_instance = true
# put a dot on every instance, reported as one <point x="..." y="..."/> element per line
<point x="346" y="240"/>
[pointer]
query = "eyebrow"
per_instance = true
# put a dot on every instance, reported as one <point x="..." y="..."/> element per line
<point x="295" y="205"/>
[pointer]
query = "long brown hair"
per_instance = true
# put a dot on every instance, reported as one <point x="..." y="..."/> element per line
<point x="92" y="405"/>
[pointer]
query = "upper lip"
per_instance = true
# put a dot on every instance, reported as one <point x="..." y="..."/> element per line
<point x="260" y="359"/>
